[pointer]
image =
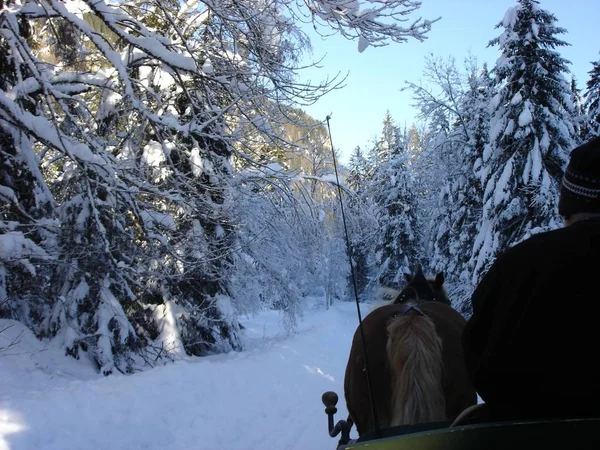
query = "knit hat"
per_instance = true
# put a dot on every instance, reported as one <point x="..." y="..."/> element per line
<point x="580" y="188"/>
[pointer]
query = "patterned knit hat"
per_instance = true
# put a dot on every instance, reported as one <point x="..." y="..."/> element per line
<point x="580" y="188"/>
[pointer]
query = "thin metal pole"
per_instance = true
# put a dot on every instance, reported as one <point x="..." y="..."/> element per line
<point x="349" y="251"/>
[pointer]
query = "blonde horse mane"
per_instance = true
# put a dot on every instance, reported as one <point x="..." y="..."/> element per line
<point x="414" y="352"/>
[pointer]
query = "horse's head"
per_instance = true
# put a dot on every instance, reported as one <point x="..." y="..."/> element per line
<point x="422" y="289"/>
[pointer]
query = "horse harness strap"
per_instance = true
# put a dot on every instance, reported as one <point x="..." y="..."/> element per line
<point x="411" y="310"/>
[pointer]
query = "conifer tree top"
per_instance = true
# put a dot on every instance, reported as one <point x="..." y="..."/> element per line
<point x="529" y="32"/>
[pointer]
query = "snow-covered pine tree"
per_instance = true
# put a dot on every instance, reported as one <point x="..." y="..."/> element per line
<point x="363" y="230"/>
<point x="470" y="136"/>
<point x="592" y="103"/>
<point x="27" y="215"/>
<point x="397" y="243"/>
<point x="414" y="141"/>
<point x="432" y="155"/>
<point x="434" y="163"/>
<point x="358" y="166"/>
<point x="531" y="133"/>
<point x="361" y="221"/>
<point x="388" y="142"/>
<point x="579" y="116"/>
<point x="468" y="189"/>
<point x="458" y="129"/>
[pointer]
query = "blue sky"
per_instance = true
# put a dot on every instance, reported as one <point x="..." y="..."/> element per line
<point x="466" y="26"/>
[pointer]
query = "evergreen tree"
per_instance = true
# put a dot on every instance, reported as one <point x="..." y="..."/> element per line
<point x="592" y="103"/>
<point x="398" y="244"/>
<point x="462" y="193"/>
<point x="579" y="116"/>
<point x="397" y="241"/>
<point x="27" y="209"/>
<point x="361" y="220"/>
<point x="434" y="162"/>
<point x="434" y="156"/>
<point x="414" y="144"/>
<point x="388" y="143"/>
<point x="359" y="169"/>
<point x="531" y="133"/>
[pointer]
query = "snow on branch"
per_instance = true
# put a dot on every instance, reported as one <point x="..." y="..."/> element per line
<point x="150" y="43"/>
<point x="64" y="82"/>
<point x="44" y="131"/>
<point x="375" y="25"/>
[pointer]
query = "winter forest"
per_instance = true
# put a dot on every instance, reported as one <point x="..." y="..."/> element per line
<point x="159" y="176"/>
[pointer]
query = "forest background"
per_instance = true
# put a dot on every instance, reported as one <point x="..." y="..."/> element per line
<point x="160" y="174"/>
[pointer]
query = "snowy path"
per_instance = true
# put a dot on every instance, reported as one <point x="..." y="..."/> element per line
<point x="266" y="397"/>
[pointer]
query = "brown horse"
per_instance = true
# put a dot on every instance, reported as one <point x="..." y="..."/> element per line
<point x="416" y="363"/>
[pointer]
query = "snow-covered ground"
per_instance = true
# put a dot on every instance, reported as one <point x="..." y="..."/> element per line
<point x="265" y="397"/>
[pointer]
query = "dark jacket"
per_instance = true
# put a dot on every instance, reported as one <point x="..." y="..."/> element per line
<point x="532" y="345"/>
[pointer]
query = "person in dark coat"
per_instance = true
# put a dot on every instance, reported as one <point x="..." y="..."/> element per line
<point x="532" y="345"/>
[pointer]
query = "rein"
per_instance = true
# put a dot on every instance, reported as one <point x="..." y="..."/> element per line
<point x="374" y="417"/>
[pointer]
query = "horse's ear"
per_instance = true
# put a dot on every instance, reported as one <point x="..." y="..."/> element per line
<point x="419" y="269"/>
<point x="408" y="277"/>
<point x="439" y="280"/>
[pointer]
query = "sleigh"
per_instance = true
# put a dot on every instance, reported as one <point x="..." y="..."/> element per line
<point x="563" y="434"/>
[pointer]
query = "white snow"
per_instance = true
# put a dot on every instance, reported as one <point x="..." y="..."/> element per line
<point x="15" y="246"/>
<point x="363" y="43"/>
<point x="8" y="193"/>
<point x="163" y="79"/>
<point x="265" y="397"/>
<point x="545" y="142"/>
<point x="534" y="28"/>
<point x="110" y="100"/>
<point x="153" y="217"/>
<point x="502" y="190"/>
<point x="153" y="154"/>
<point x="525" y="117"/>
<point x="536" y="157"/>
<point x="197" y="162"/>
<point x="170" y="338"/>
<point x="495" y="102"/>
<point x="330" y="178"/>
<point x="207" y="67"/>
<point x="510" y="17"/>
<point x="517" y="98"/>
<point x="153" y="45"/>
<point x="510" y="128"/>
